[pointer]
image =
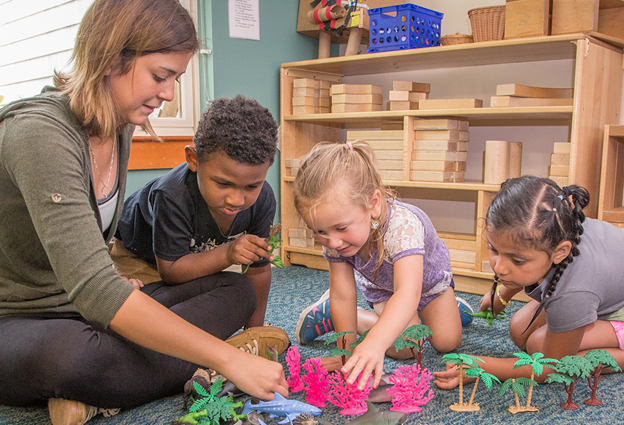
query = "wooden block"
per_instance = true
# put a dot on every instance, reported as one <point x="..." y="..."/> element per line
<point x="301" y="242"/>
<point x="324" y="93"/>
<point x="392" y="125"/>
<point x="300" y="232"/>
<point x="561" y="181"/>
<point x="432" y="166"/>
<point x="439" y="156"/>
<point x="515" y="159"/>
<point x="324" y="110"/>
<point x="355" y="107"/>
<point x="302" y="110"/>
<point x="324" y="102"/>
<point x="486" y="266"/>
<point x="307" y="82"/>
<point x="463" y="125"/>
<point x="435" y="145"/>
<point x="305" y="101"/>
<point x="559" y="170"/>
<point x="402" y="106"/>
<point x="450" y="103"/>
<point x="390" y="164"/>
<point x="464" y="136"/>
<point x="460" y="244"/>
<point x="436" y="135"/>
<point x="496" y="161"/>
<point x="562" y="147"/>
<point x="611" y="22"/>
<point x="526" y="18"/>
<point x="305" y="91"/>
<point x="515" y="102"/>
<point x="518" y="90"/>
<point x="462" y="256"/>
<point x="459" y="166"/>
<point x="574" y="16"/>
<point x="391" y="174"/>
<point x="385" y="145"/>
<point x="396" y="155"/>
<point x="354" y="89"/>
<point x="357" y="98"/>
<point x="411" y="86"/>
<point x="405" y="96"/>
<point x="375" y="135"/>
<point x="436" y="176"/>
<point x="436" y="124"/>
<point x="292" y="172"/>
<point x="559" y="159"/>
<point x="324" y="85"/>
<point x="462" y="146"/>
<point x="291" y="162"/>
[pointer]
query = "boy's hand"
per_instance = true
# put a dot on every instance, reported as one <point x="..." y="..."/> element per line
<point x="257" y="376"/>
<point x="247" y="249"/>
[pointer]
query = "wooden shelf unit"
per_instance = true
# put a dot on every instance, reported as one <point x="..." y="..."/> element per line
<point x="597" y="92"/>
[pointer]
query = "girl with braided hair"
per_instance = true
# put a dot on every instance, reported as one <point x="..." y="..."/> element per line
<point x="539" y="241"/>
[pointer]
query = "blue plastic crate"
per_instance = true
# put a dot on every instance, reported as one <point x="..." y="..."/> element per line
<point x="404" y="26"/>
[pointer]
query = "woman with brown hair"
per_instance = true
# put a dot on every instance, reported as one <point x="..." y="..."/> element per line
<point x="71" y="330"/>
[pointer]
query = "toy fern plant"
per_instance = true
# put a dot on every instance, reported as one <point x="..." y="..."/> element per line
<point x="209" y="409"/>
<point x="274" y="242"/>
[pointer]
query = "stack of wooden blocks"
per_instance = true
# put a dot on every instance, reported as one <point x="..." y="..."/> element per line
<point x="300" y="237"/>
<point x="559" y="170"/>
<point x="356" y="98"/>
<point x="388" y="147"/>
<point x="310" y="96"/>
<point x="517" y="95"/>
<point x="440" y="150"/>
<point x="292" y="167"/>
<point x="405" y="95"/>
<point x="502" y="160"/>
<point x="462" y="249"/>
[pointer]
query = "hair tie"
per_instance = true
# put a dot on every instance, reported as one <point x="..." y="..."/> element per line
<point x="554" y="209"/>
<point x="560" y="197"/>
<point x="350" y="145"/>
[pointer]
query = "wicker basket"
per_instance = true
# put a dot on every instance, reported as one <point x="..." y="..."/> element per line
<point x="488" y="23"/>
<point x="456" y="38"/>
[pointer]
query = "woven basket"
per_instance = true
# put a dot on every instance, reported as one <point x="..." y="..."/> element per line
<point x="456" y="38"/>
<point x="488" y="23"/>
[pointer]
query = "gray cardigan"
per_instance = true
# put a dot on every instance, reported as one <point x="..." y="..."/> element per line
<point x="53" y="258"/>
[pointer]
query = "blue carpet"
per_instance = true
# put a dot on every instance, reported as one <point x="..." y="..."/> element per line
<point x="294" y="288"/>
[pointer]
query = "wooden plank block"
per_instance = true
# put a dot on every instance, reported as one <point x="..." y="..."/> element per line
<point x="432" y="166"/>
<point x="559" y="159"/>
<point x="515" y="159"/>
<point x="396" y="155"/>
<point x="305" y="91"/>
<point x="459" y="165"/>
<point x="450" y="103"/>
<point x="354" y="89"/>
<point x="300" y="232"/>
<point x="301" y="242"/>
<point x="292" y="172"/>
<point x="436" y="124"/>
<point x="464" y="136"/>
<point x="436" y="135"/>
<point x="462" y="146"/>
<point x="439" y="156"/>
<point x="290" y="162"/>
<point x="324" y="102"/>
<point x="355" y="107"/>
<point x="465" y="245"/>
<point x="462" y="256"/>
<point x="323" y="93"/>
<point x="302" y="110"/>
<point x="518" y="90"/>
<point x="496" y="161"/>
<point x="391" y="174"/>
<point x="357" y="98"/>
<point x="411" y="86"/>
<point x="514" y="102"/>
<point x="561" y="181"/>
<point x="390" y="164"/>
<point x="574" y="16"/>
<point x="324" y="110"/>
<point x="435" y="145"/>
<point x="305" y="101"/>
<point x="324" y="85"/>
<point x="402" y="106"/>
<point x="374" y="135"/>
<point x="611" y="22"/>
<point x="559" y="170"/>
<point x="436" y="176"/>
<point x="405" y="96"/>
<point x="486" y="266"/>
<point x="381" y="145"/>
<point x="463" y="125"/>
<point x="562" y="147"/>
<point x="306" y="82"/>
<point x="526" y="18"/>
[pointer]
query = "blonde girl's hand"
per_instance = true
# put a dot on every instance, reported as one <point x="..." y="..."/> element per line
<point x="135" y="282"/>
<point x="248" y="248"/>
<point x="367" y="359"/>
<point x="257" y="376"/>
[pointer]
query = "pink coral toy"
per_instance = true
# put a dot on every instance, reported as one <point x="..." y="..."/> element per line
<point x="347" y="396"/>
<point x="316" y="382"/>
<point x="293" y="360"/>
<point x="409" y="391"/>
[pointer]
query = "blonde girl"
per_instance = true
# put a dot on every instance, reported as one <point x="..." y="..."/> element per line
<point x="540" y="241"/>
<point x="71" y="330"/>
<point x="386" y="248"/>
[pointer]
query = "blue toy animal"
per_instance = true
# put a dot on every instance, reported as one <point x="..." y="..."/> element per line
<point x="281" y="406"/>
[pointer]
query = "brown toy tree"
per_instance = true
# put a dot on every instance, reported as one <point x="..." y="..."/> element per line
<point x="599" y="359"/>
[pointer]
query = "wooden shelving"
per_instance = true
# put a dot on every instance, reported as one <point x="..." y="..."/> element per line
<point x="597" y="75"/>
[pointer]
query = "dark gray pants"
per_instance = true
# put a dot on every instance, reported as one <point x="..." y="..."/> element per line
<point x="77" y="360"/>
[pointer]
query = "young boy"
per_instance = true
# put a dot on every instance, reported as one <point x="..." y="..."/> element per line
<point x="214" y="211"/>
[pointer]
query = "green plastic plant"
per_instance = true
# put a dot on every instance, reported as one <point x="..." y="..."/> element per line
<point x="274" y="242"/>
<point x="517" y="385"/>
<point x="414" y="338"/>
<point x="481" y="375"/>
<point x="568" y="371"/>
<point x="464" y="361"/>
<point x="210" y="409"/>
<point x="343" y="353"/>
<point x="599" y="359"/>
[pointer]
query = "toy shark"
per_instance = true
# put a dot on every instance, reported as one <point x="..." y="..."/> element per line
<point x="281" y="406"/>
<point x="378" y="417"/>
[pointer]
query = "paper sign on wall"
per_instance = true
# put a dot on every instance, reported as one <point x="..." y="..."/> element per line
<point x="244" y="19"/>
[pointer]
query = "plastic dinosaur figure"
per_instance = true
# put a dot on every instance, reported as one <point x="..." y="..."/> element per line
<point x="489" y="316"/>
<point x="274" y="242"/>
<point x="281" y="406"/>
